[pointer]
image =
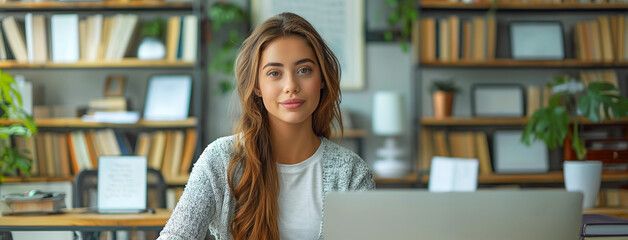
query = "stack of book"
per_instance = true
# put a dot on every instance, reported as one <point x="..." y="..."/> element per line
<point x="68" y="38"/>
<point x="602" y="40"/>
<point x="454" y="39"/>
<point x="603" y="227"/>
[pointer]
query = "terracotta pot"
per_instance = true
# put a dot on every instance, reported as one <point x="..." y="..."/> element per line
<point x="443" y="103"/>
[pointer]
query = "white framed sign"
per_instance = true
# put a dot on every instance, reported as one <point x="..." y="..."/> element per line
<point x="121" y="183"/>
<point x="339" y="22"/>
<point x="168" y="98"/>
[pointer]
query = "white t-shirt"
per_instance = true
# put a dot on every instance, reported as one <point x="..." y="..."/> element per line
<point x="301" y="198"/>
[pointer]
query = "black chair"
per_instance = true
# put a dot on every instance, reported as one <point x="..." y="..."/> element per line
<point x="86" y="185"/>
<point x="86" y="189"/>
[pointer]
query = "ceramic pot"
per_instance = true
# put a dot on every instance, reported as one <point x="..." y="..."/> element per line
<point x="151" y="49"/>
<point x="390" y="168"/>
<point x="584" y="177"/>
<point x="443" y="103"/>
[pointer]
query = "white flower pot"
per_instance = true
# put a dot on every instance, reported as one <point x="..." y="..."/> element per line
<point x="584" y="177"/>
<point x="151" y="49"/>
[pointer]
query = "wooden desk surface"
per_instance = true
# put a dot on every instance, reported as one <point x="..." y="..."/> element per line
<point x="76" y="217"/>
<point x="611" y="211"/>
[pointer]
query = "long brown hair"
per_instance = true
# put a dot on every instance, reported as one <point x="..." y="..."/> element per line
<point x="252" y="171"/>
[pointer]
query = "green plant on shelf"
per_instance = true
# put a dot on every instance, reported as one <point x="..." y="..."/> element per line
<point x="230" y="16"/>
<point x="403" y="14"/>
<point x="447" y="86"/>
<point x="155" y="28"/>
<point x="11" y="159"/>
<point x="570" y="101"/>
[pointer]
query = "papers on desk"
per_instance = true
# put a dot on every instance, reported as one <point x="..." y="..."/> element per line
<point x="116" y="117"/>
<point x="121" y="183"/>
<point x="453" y="174"/>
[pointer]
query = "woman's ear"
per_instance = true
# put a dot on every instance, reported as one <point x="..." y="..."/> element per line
<point x="258" y="92"/>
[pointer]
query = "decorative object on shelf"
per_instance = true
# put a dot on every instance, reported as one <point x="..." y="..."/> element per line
<point x="152" y="46"/>
<point x="453" y="174"/>
<point x="389" y="121"/>
<point x="571" y="100"/>
<point x="498" y="100"/>
<point x="168" y="98"/>
<point x="585" y="177"/>
<point x="224" y="53"/>
<point x="539" y="40"/>
<point x="403" y="15"/>
<point x="114" y="86"/>
<point x="443" y="96"/>
<point x="11" y="159"/>
<point x="511" y="156"/>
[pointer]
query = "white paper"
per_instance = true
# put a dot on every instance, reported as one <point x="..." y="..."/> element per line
<point x="453" y="174"/>
<point x="121" y="183"/>
<point x="168" y="98"/>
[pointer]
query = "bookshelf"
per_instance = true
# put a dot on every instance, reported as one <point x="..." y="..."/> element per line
<point x="495" y="66"/>
<point x="78" y="82"/>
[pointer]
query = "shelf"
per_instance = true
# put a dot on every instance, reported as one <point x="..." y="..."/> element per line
<point x="472" y="121"/>
<point x="125" y="63"/>
<point x="569" y="63"/>
<point x="552" y="177"/>
<point x="410" y="178"/>
<point x="37" y="179"/>
<point x="51" y="5"/>
<point x="77" y="122"/>
<point x="496" y="121"/>
<point x="523" y="6"/>
<point x="352" y="133"/>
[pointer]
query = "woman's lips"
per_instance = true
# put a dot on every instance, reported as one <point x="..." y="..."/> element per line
<point x="292" y="103"/>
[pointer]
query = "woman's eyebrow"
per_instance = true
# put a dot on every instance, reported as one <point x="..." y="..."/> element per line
<point x="275" y="64"/>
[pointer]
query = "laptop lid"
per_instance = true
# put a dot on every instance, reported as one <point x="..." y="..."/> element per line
<point x="481" y="215"/>
<point x="121" y="184"/>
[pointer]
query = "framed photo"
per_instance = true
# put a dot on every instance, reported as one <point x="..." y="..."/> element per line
<point x="512" y="156"/>
<point x="498" y="100"/>
<point x="340" y="23"/>
<point x="168" y="98"/>
<point x="114" y="86"/>
<point x="542" y="40"/>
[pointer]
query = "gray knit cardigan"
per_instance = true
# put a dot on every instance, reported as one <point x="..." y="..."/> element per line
<point x="207" y="202"/>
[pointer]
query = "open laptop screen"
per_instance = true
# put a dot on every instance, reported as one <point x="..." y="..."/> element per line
<point x="121" y="184"/>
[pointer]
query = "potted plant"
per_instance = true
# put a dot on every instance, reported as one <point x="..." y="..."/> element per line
<point x="443" y="96"/>
<point x="570" y="103"/>
<point x="152" y="46"/>
<point x="17" y="123"/>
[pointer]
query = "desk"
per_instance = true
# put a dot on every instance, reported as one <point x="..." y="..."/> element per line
<point x="610" y="211"/>
<point x="76" y="220"/>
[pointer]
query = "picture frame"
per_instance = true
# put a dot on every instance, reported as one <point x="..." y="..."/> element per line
<point x="340" y="23"/>
<point x="537" y="40"/>
<point x="168" y="98"/>
<point x="114" y="86"/>
<point x="498" y="100"/>
<point x="512" y="156"/>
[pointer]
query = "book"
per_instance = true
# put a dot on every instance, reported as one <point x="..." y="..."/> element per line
<point x="142" y="145"/>
<point x="64" y="156"/>
<point x="189" y="38"/>
<point x="479" y="39"/>
<point x="15" y="38"/>
<point x="188" y="151"/>
<point x="454" y="26"/>
<point x="172" y="41"/>
<point x="177" y="153"/>
<point x="428" y="39"/>
<point x="603" y="225"/>
<point x="483" y="153"/>
<point x="42" y="163"/>
<point x="427" y="149"/>
<point x="40" y="39"/>
<point x="3" y="49"/>
<point x="28" y="34"/>
<point x="156" y="154"/>
<point x="462" y="145"/>
<point x="444" y="40"/>
<point x="64" y="31"/>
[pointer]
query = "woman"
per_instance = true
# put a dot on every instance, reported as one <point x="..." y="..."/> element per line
<point x="268" y="181"/>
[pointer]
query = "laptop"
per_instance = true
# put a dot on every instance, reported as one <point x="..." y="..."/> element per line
<point x="481" y="215"/>
<point x="121" y="184"/>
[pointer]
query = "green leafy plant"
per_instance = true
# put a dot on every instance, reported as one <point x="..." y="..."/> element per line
<point x="403" y="14"/>
<point x="19" y="123"/>
<point x="155" y="28"/>
<point x="444" y="86"/>
<point x="568" y="104"/>
<point x="224" y="54"/>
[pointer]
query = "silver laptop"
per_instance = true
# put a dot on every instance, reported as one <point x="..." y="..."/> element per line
<point x="481" y="215"/>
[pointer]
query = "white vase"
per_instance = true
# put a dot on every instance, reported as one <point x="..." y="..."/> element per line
<point x="151" y="49"/>
<point x="584" y="177"/>
<point x="390" y="168"/>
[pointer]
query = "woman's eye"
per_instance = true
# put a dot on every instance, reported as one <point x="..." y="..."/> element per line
<point x="304" y="70"/>
<point x="273" y="74"/>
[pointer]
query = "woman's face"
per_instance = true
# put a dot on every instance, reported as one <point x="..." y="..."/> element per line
<point x="289" y="80"/>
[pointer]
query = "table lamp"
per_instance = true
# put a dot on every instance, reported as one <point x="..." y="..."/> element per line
<point x="388" y="121"/>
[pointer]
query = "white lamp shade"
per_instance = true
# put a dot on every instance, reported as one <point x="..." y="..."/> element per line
<point x="388" y="113"/>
